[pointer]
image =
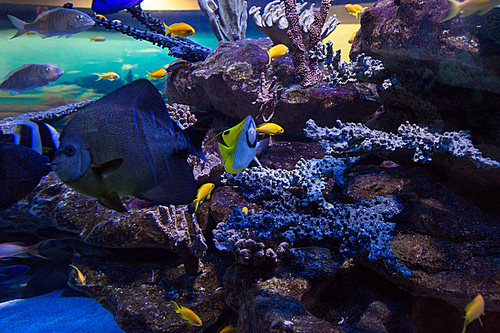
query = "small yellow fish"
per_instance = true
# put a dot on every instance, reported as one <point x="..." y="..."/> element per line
<point x="188" y="315"/>
<point x="111" y="76"/>
<point x="157" y="74"/>
<point x="99" y="16"/>
<point x="351" y="39"/>
<point x="81" y="277"/>
<point x="245" y="210"/>
<point x="97" y="39"/>
<point x="229" y="329"/>
<point x="469" y="7"/>
<point x="354" y="9"/>
<point x="179" y="30"/>
<point x="203" y="193"/>
<point x="473" y="311"/>
<point x="269" y="128"/>
<point x="277" y="51"/>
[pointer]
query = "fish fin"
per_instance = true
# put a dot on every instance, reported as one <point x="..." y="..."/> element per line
<point x="485" y="10"/>
<point x="454" y="10"/>
<point x="40" y="88"/>
<point x="100" y="76"/>
<point x="176" y="307"/>
<point x="107" y="166"/>
<point x="149" y="75"/>
<point x="19" y="24"/>
<point x="196" y="134"/>
<point x="33" y="250"/>
<point x="167" y="28"/>
<point x="257" y="161"/>
<point x="196" y="207"/>
<point x="112" y="201"/>
<point x="175" y="187"/>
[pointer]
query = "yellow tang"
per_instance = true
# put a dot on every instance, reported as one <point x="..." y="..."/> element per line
<point x="179" y="30"/>
<point x="203" y="193"/>
<point x="269" y="128"/>
<point x="277" y="51"/>
<point x="188" y="315"/>
<point x="240" y="146"/>
<point x="157" y="74"/>
<point x="111" y="76"/>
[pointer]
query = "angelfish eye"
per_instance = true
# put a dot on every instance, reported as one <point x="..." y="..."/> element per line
<point x="226" y="132"/>
<point x="70" y="150"/>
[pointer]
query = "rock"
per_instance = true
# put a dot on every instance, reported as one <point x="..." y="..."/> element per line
<point x="230" y="80"/>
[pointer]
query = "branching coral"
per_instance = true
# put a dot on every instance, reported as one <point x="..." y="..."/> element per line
<point x="179" y="47"/>
<point x="352" y="139"/>
<point x="227" y="18"/>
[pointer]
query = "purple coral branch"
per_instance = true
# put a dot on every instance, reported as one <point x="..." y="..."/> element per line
<point x="309" y="72"/>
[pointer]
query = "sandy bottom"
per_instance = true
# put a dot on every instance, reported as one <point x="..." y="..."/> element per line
<point x="340" y="37"/>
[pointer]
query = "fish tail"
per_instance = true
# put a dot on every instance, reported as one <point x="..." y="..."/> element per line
<point x="149" y="75"/>
<point x="269" y="60"/>
<point x="454" y="10"/>
<point x="19" y="24"/>
<point x="100" y="76"/>
<point x="196" y="207"/>
<point x="33" y="250"/>
<point x="176" y="307"/>
<point x="195" y="135"/>
<point x="167" y="29"/>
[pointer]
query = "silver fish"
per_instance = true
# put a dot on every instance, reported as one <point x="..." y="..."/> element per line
<point x="54" y="22"/>
<point x="30" y="76"/>
<point x="126" y="144"/>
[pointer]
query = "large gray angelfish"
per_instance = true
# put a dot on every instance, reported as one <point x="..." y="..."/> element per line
<point x="126" y="144"/>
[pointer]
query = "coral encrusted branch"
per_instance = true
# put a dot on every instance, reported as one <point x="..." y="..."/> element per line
<point x="227" y="18"/>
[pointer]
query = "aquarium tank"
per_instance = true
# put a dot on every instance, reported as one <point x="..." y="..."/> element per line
<point x="250" y="166"/>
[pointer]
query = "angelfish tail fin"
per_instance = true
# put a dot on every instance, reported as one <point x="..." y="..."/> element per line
<point x="19" y="24"/>
<point x="196" y="134"/>
<point x="454" y="10"/>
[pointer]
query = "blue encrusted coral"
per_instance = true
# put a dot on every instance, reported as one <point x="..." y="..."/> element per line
<point x="290" y="219"/>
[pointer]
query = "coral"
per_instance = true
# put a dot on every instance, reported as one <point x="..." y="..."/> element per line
<point x="52" y="115"/>
<point x="181" y="114"/>
<point x="179" y="47"/>
<point x="274" y="24"/>
<point x="353" y="139"/>
<point x="145" y="19"/>
<point x="227" y="18"/>
<point x="269" y="95"/>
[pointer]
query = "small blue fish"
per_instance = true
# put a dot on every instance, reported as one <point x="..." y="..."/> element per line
<point x="112" y="6"/>
<point x="11" y="272"/>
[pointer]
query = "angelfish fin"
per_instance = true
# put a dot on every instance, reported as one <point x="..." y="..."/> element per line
<point x="107" y="167"/>
<point x="257" y="161"/>
<point x="112" y="201"/>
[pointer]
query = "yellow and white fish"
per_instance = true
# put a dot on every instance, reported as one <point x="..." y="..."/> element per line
<point x="204" y="192"/>
<point x="111" y="76"/>
<point x="80" y="275"/>
<point x="240" y="146"/>
<point x="179" y="30"/>
<point x="469" y="7"/>
<point x="473" y="311"/>
<point x="269" y="128"/>
<point x="157" y="74"/>
<point x="277" y="51"/>
<point x="188" y="315"/>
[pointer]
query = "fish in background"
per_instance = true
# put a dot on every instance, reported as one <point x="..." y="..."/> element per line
<point x="351" y="39"/>
<point x="179" y="30"/>
<point x="240" y="146"/>
<point x="177" y="65"/>
<point x="110" y="76"/>
<point x="229" y="329"/>
<point x="21" y="169"/>
<point x="19" y="250"/>
<point x="354" y="10"/>
<point x="269" y="129"/>
<point x="126" y="144"/>
<point x="54" y="22"/>
<point x="29" y="77"/>
<point x="11" y="272"/>
<point x="157" y="74"/>
<point x="277" y="51"/>
<point x="112" y="6"/>
<point x="203" y="193"/>
<point x="39" y="136"/>
<point x="473" y="311"/>
<point x="469" y="7"/>
<point x="97" y="39"/>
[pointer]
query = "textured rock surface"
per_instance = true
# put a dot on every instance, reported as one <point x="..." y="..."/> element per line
<point x="230" y="79"/>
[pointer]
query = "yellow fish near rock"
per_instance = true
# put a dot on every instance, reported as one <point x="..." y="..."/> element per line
<point x="203" y="193"/>
<point x="229" y="329"/>
<point x="188" y="315"/>
<point x="469" y="7"/>
<point x="157" y="74"/>
<point x="473" y="311"/>
<point x="81" y="277"/>
<point x="354" y="10"/>
<point x="277" y="51"/>
<point x="269" y="128"/>
<point x="179" y="30"/>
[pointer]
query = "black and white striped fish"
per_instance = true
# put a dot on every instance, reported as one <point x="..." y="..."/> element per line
<point x="39" y="136"/>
